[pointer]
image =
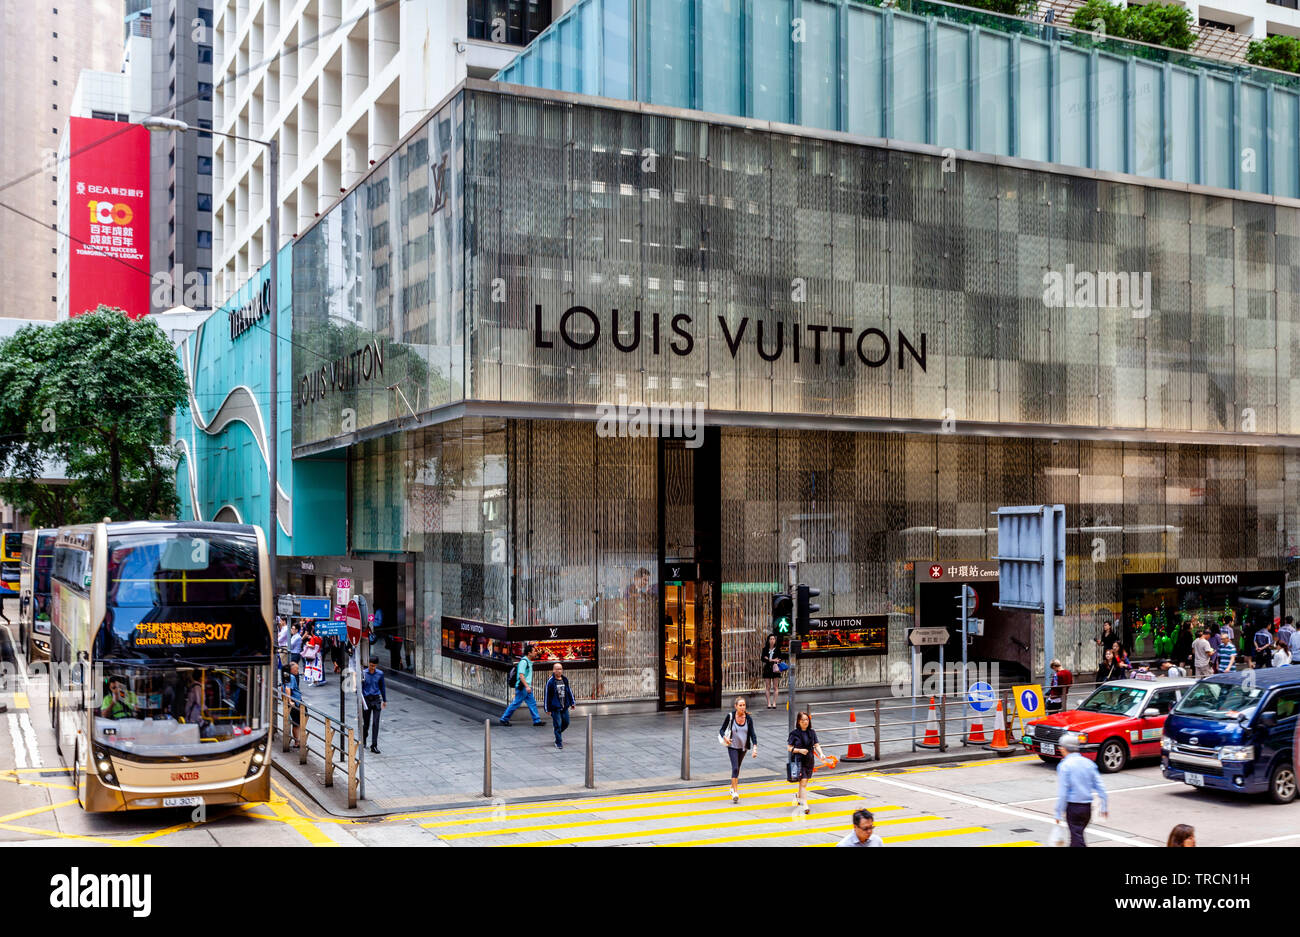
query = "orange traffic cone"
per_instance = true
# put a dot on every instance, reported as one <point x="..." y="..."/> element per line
<point x="975" y="734"/>
<point x="855" y="752"/>
<point x="999" y="743"/>
<point x="931" y="739"/>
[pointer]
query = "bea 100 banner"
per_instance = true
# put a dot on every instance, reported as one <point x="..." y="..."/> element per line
<point x="108" y="177"/>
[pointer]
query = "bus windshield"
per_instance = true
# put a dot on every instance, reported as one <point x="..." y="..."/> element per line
<point x="171" y="595"/>
<point x="167" y="568"/>
<point x="182" y="706"/>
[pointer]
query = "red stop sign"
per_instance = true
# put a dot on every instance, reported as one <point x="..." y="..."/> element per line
<point x="353" y="619"/>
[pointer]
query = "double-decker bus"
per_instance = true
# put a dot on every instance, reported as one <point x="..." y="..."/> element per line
<point x="11" y="548"/>
<point x="34" y="593"/>
<point x="160" y="672"/>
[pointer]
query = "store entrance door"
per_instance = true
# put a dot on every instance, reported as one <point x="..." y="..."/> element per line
<point x="687" y="662"/>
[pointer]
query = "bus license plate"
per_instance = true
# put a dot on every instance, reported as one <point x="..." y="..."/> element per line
<point x="182" y="801"/>
<point x="1196" y="780"/>
<point x="1048" y="748"/>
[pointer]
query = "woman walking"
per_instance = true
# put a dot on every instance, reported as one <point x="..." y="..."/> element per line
<point x="739" y="735"/>
<point x="770" y="668"/>
<point x="1109" y="669"/>
<point x="803" y="742"/>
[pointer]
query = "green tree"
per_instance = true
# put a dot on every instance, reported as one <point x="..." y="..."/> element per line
<point x="1007" y="7"/>
<point x="1158" y="24"/>
<point x="1280" y="52"/>
<point x="97" y="393"/>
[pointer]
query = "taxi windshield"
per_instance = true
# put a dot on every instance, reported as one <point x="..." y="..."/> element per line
<point x="1219" y="700"/>
<point x="1115" y="700"/>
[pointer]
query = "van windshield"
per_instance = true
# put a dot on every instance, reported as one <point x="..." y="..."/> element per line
<point x="1219" y="700"/>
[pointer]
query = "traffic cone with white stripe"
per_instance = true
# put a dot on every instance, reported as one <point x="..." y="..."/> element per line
<point x="855" y="752"/>
<point x="999" y="743"/>
<point x="975" y="732"/>
<point x="931" y="739"/>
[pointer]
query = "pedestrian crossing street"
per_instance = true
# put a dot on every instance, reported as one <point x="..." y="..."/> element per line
<point x="703" y="816"/>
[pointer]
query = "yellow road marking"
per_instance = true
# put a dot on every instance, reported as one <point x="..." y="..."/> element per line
<point x="57" y="835"/>
<point x="825" y="828"/>
<point x="50" y="770"/>
<point x="715" y="798"/>
<point x="718" y="791"/>
<point x="934" y="834"/>
<point x="191" y="824"/>
<point x="26" y="783"/>
<point x="300" y="825"/>
<point x="303" y="810"/>
<point x="35" y="810"/>
<point x="667" y="831"/>
<point x="20" y="700"/>
<point x="635" y="819"/>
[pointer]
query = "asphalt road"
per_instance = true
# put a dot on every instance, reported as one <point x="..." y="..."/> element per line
<point x="996" y="802"/>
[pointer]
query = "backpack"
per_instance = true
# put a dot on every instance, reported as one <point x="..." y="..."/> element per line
<point x="512" y="678"/>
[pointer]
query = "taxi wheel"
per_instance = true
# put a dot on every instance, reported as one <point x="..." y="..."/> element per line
<point x="1112" y="756"/>
<point x="1282" y="784"/>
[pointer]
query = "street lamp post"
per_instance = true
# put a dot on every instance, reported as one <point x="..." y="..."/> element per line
<point x="169" y="125"/>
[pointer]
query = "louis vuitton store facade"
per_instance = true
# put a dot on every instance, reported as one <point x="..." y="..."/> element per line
<point x="601" y="369"/>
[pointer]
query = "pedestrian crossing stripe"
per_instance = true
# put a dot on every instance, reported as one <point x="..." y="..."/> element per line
<point x="932" y="834"/>
<point x="1020" y="842"/>
<point x="20" y="700"/>
<point x="674" y="830"/>
<point x="837" y="827"/>
<point x="720" y="791"/>
<point x="636" y="819"/>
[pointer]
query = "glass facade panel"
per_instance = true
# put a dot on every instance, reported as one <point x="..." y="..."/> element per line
<point x="953" y="62"/>
<point x="770" y="74"/>
<point x="819" y="79"/>
<point x="908" y="80"/>
<point x="995" y="94"/>
<point x="721" y="71"/>
<point x="863" y="81"/>
<point x="1033" y="100"/>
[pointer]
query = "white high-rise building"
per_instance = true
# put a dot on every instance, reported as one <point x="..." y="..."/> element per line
<point x="337" y="83"/>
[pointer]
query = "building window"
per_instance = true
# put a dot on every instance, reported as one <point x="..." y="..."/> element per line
<point x="55" y="81"/>
<point x="171" y="193"/>
<point x="171" y="226"/>
<point x="204" y="124"/>
<point x="205" y="91"/>
<point x="205" y="165"/>
<point x="515" y="22"/>
<point x="204" y="239"/>
<point x="55" y="106"/>
<point x="171" y="159"/>
<point x="1289" y="4"/>
<point x="205" y="55"/>
<point x="101" y="115"/>
<point x="205" y="202"/>
<point x="206" y="16"/>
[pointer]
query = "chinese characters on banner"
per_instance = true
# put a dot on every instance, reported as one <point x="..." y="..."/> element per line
<point x="108" y="175"/>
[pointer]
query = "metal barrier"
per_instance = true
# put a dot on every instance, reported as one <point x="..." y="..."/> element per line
<point x="339" y="742"/>
<point x="894" y="721"/>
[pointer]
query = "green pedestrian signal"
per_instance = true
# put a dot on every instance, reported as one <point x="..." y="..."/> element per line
<point x="782" y="614"/>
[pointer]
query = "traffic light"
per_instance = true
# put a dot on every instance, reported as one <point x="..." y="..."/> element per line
<point x="782" y="615"/>
<point x="806" y="607"/>
<point x="972" y="601"/>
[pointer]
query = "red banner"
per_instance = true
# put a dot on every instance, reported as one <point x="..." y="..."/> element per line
<point x="108" y="176"/>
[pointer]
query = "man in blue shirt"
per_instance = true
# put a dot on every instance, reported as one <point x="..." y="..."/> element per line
<point x="1077" y="779"/>
<point x="523" y="689"/>
<point x="376" y="698"/>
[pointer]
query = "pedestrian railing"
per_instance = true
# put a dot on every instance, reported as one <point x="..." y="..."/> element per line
<point x="339" y="746"/>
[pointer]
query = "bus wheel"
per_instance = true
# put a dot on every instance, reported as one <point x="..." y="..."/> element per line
<point x="1282" y="784"/>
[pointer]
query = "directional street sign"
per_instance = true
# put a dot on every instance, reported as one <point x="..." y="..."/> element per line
<point x="981" y="697"/>
<point x="923" y="636"/>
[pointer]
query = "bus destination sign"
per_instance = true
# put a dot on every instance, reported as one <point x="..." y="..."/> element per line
<point x="181" y="633"/>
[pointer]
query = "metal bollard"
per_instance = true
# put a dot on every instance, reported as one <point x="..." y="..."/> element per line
<point x="877" y="731"/>
<point x="487" y="757"/>
<point x="686" y="744"/>
<point x="591" y="757"/>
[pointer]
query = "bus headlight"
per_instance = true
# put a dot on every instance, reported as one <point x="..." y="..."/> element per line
<point x="105" y="767"/>
<point x="258" y="758"/>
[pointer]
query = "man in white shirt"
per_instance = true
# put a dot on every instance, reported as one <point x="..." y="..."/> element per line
<point x="1202" y="655"/>
<point x="864" y="830"/>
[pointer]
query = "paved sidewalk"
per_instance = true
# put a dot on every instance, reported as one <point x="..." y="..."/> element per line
<point x="433" y="754"/>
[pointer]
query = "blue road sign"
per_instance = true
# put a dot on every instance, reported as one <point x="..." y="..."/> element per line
<point x="314" y="607"/>
<point x="325" y="628"/>
<point x="981" y="697"/>
<point x="1029" y="700"/>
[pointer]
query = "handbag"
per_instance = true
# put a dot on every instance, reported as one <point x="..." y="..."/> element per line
<point x="794" y="768"/>
<point x="782" y="666"/>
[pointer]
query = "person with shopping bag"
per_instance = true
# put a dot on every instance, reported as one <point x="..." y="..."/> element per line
<point x="738" y="735"/>
<point x="803" y="748"/>
<point x="771" y="665"/>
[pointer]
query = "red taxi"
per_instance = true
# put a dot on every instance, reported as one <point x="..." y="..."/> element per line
<point x="1122" y="719"/>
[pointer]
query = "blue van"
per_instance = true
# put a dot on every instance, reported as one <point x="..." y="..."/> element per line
<point x="1236" y="732"/>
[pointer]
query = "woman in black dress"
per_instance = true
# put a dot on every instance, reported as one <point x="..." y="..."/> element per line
<point x="769" y="666"/>
<point x="803" y="742"/>
<point x="1110" y="668"/>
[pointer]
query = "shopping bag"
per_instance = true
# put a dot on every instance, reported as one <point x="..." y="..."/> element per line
<point x="794" y="769"/>
<point x="1059" y="836"/>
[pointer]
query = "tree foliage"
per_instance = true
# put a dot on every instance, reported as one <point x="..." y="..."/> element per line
<point x="1007" y="7"/>
<point x="1280" y="52"/>
<point x="97" y="393"/>
<point x="1159" y="24"/>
